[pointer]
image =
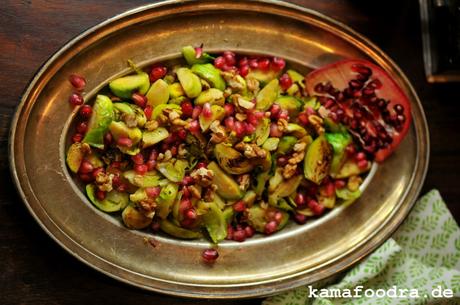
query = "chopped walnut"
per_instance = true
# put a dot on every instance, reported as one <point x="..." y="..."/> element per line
<point x="253" y="85"/>
<point x="129" y="119"/>
<point x="218" y="132"/>
<point x="227" y="92"/>
<point x="354" y="182"/>
<point x="147" y="207"/>
<point x="195" y="191"/>
<point x="182" y="151"/>
<point x="208" y="195"/>
<point x="85" y="148"/>
<point x="297" y="157"/>
<point x="323" y="112"/>
<point x="202" y="176"/>
<point x="243" y="181"/>
<point x="104" y="181"/>
<point x="241" y="117"/>
<point x="282" y="124"/>
<point x="251" y="150"/>
<point x="317" y="123"/>
<point x="151" y="125"/>
<point x="233" y="81"/>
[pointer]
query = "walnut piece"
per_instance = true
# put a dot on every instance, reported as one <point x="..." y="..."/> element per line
<point x="151" y="125"/>
<point x="289" y="170"/>
<point x="147" y="207"/>
<point x="195" y="191"/>
<point x="129" y="119"/>
<point x="354" y="182"/>
<point x="202" y="176"/>
<point x="317" y="123"/>
<point x="243" y="181"/>
<point x="282" y="124"/>
<point x="299" y="154"/>
<point x="104" y="181"/>
<point x="253" y="85"/>
<point x="251" y="150"/>
<point x="218" y="132"/>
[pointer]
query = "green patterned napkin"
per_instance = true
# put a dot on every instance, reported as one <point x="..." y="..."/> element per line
<point x="420" y="264"/>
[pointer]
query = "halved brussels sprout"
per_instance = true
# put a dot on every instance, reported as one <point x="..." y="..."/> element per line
<point x="217" y="113"/>
<point x="175" y="172"/>
<point x="317" y="162"/>
<point x="189" y="82"/>
<point x="99" y="121"/>
<point x="133" y="219"/>
<point x="74" y="157"/>
<point x="210" y="74"/>
<point x="231" y="160"/>
<point x="153" y="137"/>
<point x="125" y="86"/>
<point x="212" y="96"/>
<point x="262" y="131"/>
<point x="179" y="232"/>
<point x="158" y="93"/>
<point x="267" y="95"/>
<point x="227" y="188"/>
<point x="215" y="223"/>
<point x="113" y="202"/>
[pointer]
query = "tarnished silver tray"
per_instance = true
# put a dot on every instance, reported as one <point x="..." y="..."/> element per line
<point x="260" y="266"/>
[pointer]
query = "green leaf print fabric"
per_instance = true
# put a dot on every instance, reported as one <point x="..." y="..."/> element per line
<point x="423" y="257"/>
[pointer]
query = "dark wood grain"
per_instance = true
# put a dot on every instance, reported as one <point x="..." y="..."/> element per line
<point x="35" y="270"/>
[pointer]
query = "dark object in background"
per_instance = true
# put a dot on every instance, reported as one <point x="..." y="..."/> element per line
<point x="440" y="21"/>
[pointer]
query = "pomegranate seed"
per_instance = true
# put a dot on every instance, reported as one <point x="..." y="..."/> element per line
<point x="285" y="81"/>
<point x="303" y="119"/>
<point x="239" y="128"/>
<point x="115" y="164"/>
<point x="97" y="171"/>
<point x="300" y="199"/>
<point x="243" y="62"/>
<point x="151" y="164"/>
<point x="82" y="127"/>
<point x="196" y="112"/>
<point x="78" y="137"/>
<point x="194" y="126"/>
<point x="201" y="165"/>
<point x="229" y="58"/>
<point x="153" y="154"/>
<point x="244" y="70"/>
<point x="229" y="109"/>
<point x="86" y="111"/>
<point x="239" y="206"/>
<point x="100" y="195"/>
<point x="284" y="114"/>
<point x="210" y="255"/>
<point x="350" y="149"/>
<point x="198" y="51"/>
<point x="187" y="109"/>
<point x="148" y="110"/>
<point x="86" y="178"/>
<point x="141" y="168"/>
<point x="207" y="113"/>
<point x="249" y="128"/>
<point x="300" y="218"/>
<point x="317" y="208"/>
<point x="77" y="81"/>
<point x="125" y="142"/>
<point x="138" y="159"/>
<point x="76" y="99"/>
<point x="329" y="189"/>
<point x="339" y="184"/>
<point x="264" y="63"/>
<point x="122" y="187"/>
<point x="251" y="119"/>
<point x="274" y="131"/>
<point x="249" y="231"/>
<point x="278" y="217"/>
<point x="157" y="73"/>
<point x="399" y="108"/>
<point x="362" y="164"/>
<point x="360" y="156"/>
<point x="312" y="190"/>
<point x="85" y="167"/>
<point x="184" y="205"/>
<point x="259" y="115"/>
<point x="278" y="64"/>
<point x="190" y="214"/>
<point x="173" y="151"/>
<point x="219" y="62"/>
<point x="239" y="235"/>
<point x="182" y="134"/>
<point x="156" y="226"/>
<point x="170" y="139"/>
<point x="230" y="123"/>
<point x="282" y="161"/>
<point x="187" y="180"/>
<point x="139" y="99"/>
<point x="153" y="192"/>
<point x="108" y="138"/>
<point x="185" y="192"/>
<point x="253" y="63"/>
<point x="275" y="110"/>
<point x="271" y="227"/>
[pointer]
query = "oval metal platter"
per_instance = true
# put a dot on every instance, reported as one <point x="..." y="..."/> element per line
<point x="260" y="266"/>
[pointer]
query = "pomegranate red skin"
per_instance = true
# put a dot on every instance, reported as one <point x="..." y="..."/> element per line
<point x="341" y="72"/>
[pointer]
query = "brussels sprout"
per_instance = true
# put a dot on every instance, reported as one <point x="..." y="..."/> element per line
<point x="113" y="202"/>
<point x="296" y="130"/>
<point x="176" y="231"/>
<point x="267" y="95"/>
<point x="189" y="82"/>
<point x="296" y="77"/>
<point x="264" y="77"/>
<point x="217" y="113"/>
<point x="215" y="223"/>
<point x="231" y="160"/>
<point x="317" y="162"/>
<point x="210" y="74"/>
<point x="166" y="199"/>
<point x="133" y="219"/>
<point x="160" y="108"/>
<point x="158" y="93"/>
<point x="131" y="109"/>
<point x="149" y="179"/>
<point x="99" y="121"/>
<point x="175" y="90"/>
<point x="153" y="137"/>
<point x="286" y="144"/>
<point x="262" y="131"/>
<point x="125" y="86"/>
<point x="189" y="54"/>
<point x="283" y="189"/>
<point x="339" y="142"/>
<point x="227" y="188"/>
<point x="249" y="198"/>
<point x="261" y="180"/>
<point x="74" y="157"/>
<point x="257" y="217"/>
<point x="175" y="172"/>
<point x="119" y="130"/>
<point x="271" y="144"/>
<point x="350" y="168"/>
<point x="212" y="96"/>
<point x="289" y="103"/>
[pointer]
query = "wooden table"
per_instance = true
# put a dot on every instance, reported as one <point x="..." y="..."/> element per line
<point x="35" y="270"/>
